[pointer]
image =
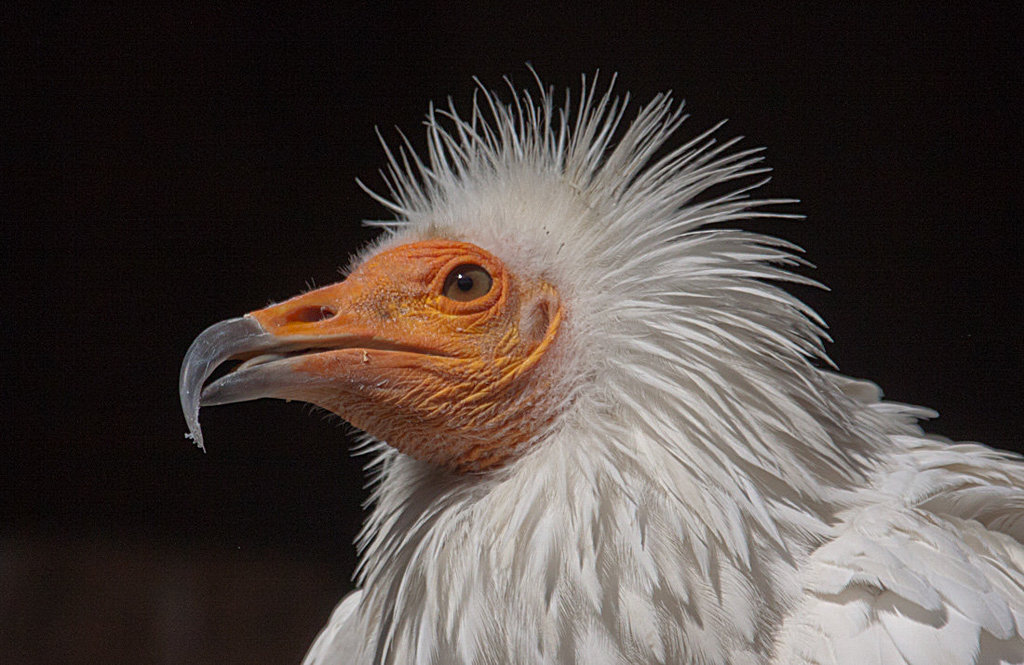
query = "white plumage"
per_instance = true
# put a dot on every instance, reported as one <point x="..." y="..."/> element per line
<point x="706" y="493"/>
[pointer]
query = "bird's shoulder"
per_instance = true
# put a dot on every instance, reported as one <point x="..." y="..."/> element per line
<point x="930" y="573"/>
<point x="341" y="640"/>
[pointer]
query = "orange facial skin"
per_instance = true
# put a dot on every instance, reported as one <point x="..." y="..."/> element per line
<point x="460" y="384"/>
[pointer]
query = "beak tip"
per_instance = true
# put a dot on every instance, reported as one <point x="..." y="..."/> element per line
<point x="196" y="436"/>
<point x="190" y="407"/>
<point x="213" y="346"/>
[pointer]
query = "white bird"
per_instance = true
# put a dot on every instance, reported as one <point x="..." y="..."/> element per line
<point x="602" y="431"/>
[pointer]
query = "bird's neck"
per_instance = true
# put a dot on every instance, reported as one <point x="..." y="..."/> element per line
<point x="582" y="544"/>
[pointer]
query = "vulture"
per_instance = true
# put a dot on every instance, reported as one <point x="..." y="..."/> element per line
<point x="602" y="433"/>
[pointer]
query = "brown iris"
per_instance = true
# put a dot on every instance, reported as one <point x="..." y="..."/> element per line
<point x="467" y="282"/>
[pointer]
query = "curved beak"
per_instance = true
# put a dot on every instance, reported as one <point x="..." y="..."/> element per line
<point x="234" y="338"/>
<point x="305" y="348"/>
<point x="271" y="365"/>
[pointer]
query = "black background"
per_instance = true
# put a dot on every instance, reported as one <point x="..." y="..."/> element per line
<point x="163" y="169"/>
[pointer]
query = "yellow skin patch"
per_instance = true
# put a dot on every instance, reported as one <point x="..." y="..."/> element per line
<point x="460" y="384"/>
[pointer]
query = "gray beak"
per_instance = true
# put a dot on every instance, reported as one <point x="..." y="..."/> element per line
<point x="233" y="338"/>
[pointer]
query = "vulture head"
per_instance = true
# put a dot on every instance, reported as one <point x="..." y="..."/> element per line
<point x="541" y="271"/>
<point x="599" y="421"/>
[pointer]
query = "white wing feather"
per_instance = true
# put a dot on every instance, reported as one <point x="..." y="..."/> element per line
<point x="900" y="585"/>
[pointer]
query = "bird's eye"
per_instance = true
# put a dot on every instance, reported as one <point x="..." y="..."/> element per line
<point x="467" y="282"/>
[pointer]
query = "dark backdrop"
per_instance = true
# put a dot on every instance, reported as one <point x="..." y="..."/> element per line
<point x="163" y="169"/>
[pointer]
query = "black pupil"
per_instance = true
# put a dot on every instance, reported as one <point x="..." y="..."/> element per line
<point x="464" y="282"/>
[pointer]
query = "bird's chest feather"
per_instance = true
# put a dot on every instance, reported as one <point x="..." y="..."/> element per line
<point x="573" y="570"/>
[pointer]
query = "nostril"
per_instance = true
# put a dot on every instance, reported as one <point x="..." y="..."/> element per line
<point x="311" y="314"/>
